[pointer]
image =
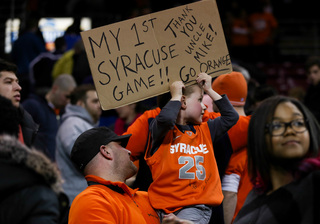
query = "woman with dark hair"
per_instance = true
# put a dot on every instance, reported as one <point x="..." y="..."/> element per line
<point x="284" y="164"/>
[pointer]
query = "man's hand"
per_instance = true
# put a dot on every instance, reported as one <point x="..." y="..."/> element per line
<point x="172" y="219"/>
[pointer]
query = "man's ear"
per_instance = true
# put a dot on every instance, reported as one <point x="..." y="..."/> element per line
<point x="183" y="102"/>
<point x="54" y="88"/>
<point x="80" y="103"/>
<point x="105" y="151"/>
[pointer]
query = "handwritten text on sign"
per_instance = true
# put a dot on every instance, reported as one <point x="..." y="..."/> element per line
<point x="138" y="58"/>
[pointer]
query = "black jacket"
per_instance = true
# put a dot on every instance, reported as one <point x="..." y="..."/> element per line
<point x="296" y="203"/>
<point x="30" y="186"/>
<point x="311" y="100"/>
<point x="28" y="126"/>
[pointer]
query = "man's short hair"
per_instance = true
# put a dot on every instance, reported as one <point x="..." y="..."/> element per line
<point x="65" y="81"/>
<point x="311" y="61"/>
<point x="7" y="66"/>
<point x="80" y="93"/>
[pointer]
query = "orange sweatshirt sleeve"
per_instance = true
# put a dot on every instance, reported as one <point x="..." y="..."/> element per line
<point x="139" y="133"/>
<point x="238" y="134"/>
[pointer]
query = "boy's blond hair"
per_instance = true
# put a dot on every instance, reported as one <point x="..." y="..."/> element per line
<point x="188" y="90"/>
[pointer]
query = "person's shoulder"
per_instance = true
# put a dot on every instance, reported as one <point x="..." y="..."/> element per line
<point x="244" y="119"/>
<point x="41" y="198"/>
<point x="151" y="113"/>
<point x="210" y="115"/>
<point x="31" y="103"/>
<point x="253" y="196"/>
<point x="74" y="123"/>
<point x="142" y="194"/>
<point x="38" y="197"/>
<point x="26" y="116"/>
<point x="316" y="176"/>
<point x="91" y="200"/>
<point x="44" y="192"/>
<point x="143" y="120"/>
<point x="35" y="99"/>
<point x="95" y="194"/>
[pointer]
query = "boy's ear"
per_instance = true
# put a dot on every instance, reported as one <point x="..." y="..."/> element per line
<point x="183" y="102"/>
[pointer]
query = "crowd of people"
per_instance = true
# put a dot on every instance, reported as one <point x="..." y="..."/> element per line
<point x="224" y="150"/>
<point x="202" y="157"/>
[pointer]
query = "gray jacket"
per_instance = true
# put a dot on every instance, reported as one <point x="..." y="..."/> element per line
<point x="74" y="121"/>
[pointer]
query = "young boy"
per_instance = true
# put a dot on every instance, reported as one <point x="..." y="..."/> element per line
<point x="180" y="153"/>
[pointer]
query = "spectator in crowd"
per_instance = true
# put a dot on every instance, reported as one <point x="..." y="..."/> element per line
<point x="263" y="29"/>
<point x="74" y="62"/>
<point x="72" y="34"/>
<point x="236" y="182"/>
<point x="283" y="163"/>
<point x="312" y="96"/>
<point x="208" y="102"/>
<point x="31" y="189"/>
<point x="126" y="116"/>
<point x="81" y="114"/>
<point x="40" y="68"/>
<point x="297" y="92"/>
<point x="27" y="47"/>
<point x="46" y="111"/>
<point x="10" y="88"/>
<point x="189" y="186"/>
<point x="240" y="35"/>
<point x="260" y="93"/>
<point x="100" y="155"/>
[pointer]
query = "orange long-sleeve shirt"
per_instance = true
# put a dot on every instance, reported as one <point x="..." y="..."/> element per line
<point x="100" y="204"/>
<point x="238" y="161"/>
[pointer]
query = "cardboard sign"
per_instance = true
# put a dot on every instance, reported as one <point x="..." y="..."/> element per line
<point x="138" y="58"/>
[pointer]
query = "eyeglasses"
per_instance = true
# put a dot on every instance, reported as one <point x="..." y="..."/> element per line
<point x="277" y="128"/>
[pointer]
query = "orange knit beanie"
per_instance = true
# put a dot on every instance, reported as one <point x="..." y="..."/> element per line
<point x="234" y="86"/>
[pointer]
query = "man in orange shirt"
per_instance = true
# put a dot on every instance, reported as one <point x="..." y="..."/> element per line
<point x="100" y="154"/>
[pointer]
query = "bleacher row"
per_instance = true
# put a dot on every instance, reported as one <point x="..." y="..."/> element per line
<point x="285" y="76"/>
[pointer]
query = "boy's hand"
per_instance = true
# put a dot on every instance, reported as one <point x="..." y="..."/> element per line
<point x="204" y="81"/>
<point x="176" y="90"/>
